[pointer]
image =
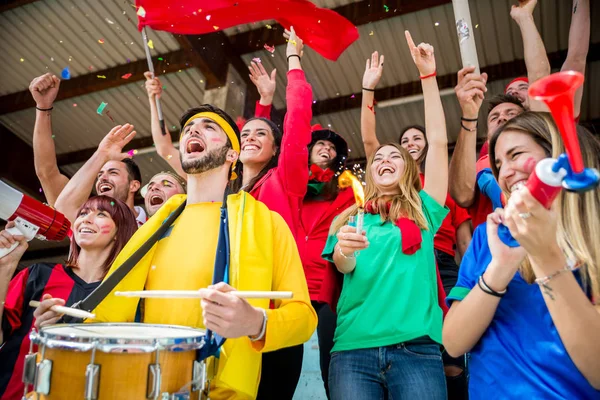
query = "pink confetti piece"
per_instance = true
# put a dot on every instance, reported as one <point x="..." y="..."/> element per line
<point x="256" y="60"/>
<point x="126" y="76"/>
<point x="270" y="49"/>
<point x="353" y="96"/>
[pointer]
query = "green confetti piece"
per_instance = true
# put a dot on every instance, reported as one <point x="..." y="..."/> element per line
<point x="101" y="108"/>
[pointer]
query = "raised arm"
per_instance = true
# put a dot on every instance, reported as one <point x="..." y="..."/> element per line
<point x="371" y="77"/>
<point x="293" y="158"/>
<point x="536" y="59"/>
<point x="80" y="186"/>
<point x="8" y="265"/>
<point x="44" y="90"/>
<point x="579" y="44"/>
<point x="266" y="85"/>
<point x="163" y="143"/>
<point x="462" y="171"/>
<point x="436" y="165"/>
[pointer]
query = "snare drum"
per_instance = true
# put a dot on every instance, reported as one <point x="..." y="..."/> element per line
<point x="116" y="361"/>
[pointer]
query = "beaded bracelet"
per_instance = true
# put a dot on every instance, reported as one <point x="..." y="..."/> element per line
<point x="571" y="266"/>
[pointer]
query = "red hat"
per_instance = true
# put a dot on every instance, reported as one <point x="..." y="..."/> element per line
<point x="521" y="78"/>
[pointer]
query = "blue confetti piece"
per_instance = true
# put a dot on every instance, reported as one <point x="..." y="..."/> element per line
<point x="66" y="74"/>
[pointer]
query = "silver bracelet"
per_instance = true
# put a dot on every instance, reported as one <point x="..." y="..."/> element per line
<point x="343" y="255"/>
<point x="263" y="330"/>
<point x="571" y="266"/>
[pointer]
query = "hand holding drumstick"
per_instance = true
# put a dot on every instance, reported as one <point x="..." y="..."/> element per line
<point x="50" y="310"/>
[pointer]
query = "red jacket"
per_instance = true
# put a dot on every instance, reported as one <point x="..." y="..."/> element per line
<point x="324" y="280"/>
<point x="283" y="188"/>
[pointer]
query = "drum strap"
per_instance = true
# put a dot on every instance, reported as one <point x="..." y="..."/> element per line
<point x="94" y="298"/>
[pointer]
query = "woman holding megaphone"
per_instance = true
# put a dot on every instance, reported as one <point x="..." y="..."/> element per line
<point x="102" y="228"/>
<point x="526" y="314"/>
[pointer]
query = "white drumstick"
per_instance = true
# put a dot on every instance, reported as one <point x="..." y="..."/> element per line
<point x="195" y="294"/>
<point x="72" y="312"/>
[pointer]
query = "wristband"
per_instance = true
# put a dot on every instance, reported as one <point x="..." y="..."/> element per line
<point x="263" y="330"/>
<point x="294" y="55"/>
<point x="468" y="129"/>
<point x="483" y="286"/>
<point x="430" y="75"/>
<point x="43" y="109"/>
<point x="368" y="90"/>
<point x="343" y="255"/>
<point x="468" y="119"/>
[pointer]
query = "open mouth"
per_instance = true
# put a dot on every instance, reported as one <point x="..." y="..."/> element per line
<point x="250" y="147"/>
<point x="413" y="151"/>
<point x="517" y="185"/>
<point x="105" y="187"/>
<point x="386" y="170"/>
<point x="156" y="200"/>
<point x="325" y="155"/>
<point x="86" y="230"/>
<point x="195" y="146"/>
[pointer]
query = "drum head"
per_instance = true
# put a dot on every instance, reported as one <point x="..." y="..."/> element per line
<point x="121" y="337"/>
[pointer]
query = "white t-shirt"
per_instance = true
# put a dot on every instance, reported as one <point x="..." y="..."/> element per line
<point x="142" y="217"/>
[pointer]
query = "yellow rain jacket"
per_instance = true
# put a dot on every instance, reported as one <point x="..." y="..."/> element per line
<point x="263" y="256"/>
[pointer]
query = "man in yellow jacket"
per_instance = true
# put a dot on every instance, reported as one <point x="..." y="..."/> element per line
<point x="263" y="256"/>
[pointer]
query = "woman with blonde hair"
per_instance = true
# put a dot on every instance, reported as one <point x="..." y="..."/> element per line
<point x="388" y="334"/>
<point x="527" y="314"/>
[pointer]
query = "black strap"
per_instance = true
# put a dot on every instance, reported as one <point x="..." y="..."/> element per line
<point x="94" y="298"/>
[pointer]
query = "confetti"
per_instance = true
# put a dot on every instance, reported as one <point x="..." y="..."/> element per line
<point x="216" y="28"/>
<point x="314" y="102"/>
<point x="271" y="49"/>
<point x="109" y="21"/>
<point x="130" y="153"/>
<point x="208" y="17"/>
<point x="91" y="67"/>
<point x="101" y="41"/>
<point x="476" y="26"/>
<point x="372" y="108"/>
<point x="268" y="26"/>
<point x="74" y="104"/>
<point x="371" y="33"/>
<point x="437" y="24"/>
<point x="169" y="156"/>
<point x="101" y="76"/>
<point x="22" y="60"/>
<point x="386" y="8"/>
<point x="53" y="136"/>
<point x="112" y="203"/>
<point x="141" y="12"/>
<point x="160" y="59"/>
<point x="150" y="44"/>
<point x="40" y="190"/>
<point x="126" y="76"/>
<point x="65" y="74"/>
<point x="101" y="108"/>
<point x="256" y="60"/>
<point x="353" y="96"/>
<point x="128" y="61"/>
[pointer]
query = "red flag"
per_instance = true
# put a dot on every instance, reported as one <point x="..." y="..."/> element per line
<point x="324" y="30"/>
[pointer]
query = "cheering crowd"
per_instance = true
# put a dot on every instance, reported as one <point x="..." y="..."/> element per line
<point x="425" y="302"/>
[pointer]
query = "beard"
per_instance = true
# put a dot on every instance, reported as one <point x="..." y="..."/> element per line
<point x="213" y="159"/>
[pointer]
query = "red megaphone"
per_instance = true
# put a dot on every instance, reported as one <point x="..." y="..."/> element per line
<point x="558" y="92"/>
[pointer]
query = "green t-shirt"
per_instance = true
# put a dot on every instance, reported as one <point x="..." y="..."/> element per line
<point x="390" y="297"/>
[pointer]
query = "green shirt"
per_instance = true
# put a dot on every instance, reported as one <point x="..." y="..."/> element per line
<point x="390" y="297"/>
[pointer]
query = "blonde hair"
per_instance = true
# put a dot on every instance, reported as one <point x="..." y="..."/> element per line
<point x="406" y="204"/>
<point x="579" y="213"/>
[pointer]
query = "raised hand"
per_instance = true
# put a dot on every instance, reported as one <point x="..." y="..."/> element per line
<point x="44" y="90"/>
<point x="7" y="239"/>
<point x="470" y="91"/>
<point x="153" y="86"/>
<point x="265" y="84"/>
<point x="294" y="44"/>
<point x="523" y="10"/>
<point x="373" y="71"/>
<point x="112" y="144"/>
<point x="422" y="55"/>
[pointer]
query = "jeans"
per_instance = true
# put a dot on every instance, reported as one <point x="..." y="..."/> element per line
<point x="325" y="332"/>
<point x="405" y="371"/>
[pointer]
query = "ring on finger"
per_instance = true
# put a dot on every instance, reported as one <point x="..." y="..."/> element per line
<point x="525" y="215"/>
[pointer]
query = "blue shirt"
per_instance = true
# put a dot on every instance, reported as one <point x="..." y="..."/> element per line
<point x="520" y="355"/>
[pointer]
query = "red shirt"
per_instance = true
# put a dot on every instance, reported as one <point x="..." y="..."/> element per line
<point x="482" y="205"/>
<point x="283" y="188"/>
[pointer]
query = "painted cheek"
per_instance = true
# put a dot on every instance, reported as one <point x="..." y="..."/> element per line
<point x="105" y="230"/>
<point x="529" y="165"/>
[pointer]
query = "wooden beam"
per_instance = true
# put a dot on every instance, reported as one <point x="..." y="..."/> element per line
<point x="17" y="164"/>
<point x="79" y="156"/>
<point x="495" y="73"/>
<point x="89" y="83"/>
<point x="359" y="13"/>
<point x="6" y="5"/>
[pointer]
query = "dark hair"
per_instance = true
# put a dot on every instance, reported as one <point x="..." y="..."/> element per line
<point x="423" y="156"/>
<point x="236" y="185"/>
<point x="503" y="98"/>
<point x="133" y="171"/>
<point x="124" y="220"/>
<point x="337" y="165"/>
<point x="209" y="108"/>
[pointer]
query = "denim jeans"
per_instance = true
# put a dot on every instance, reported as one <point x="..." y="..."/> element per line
<point x="400" y="372"/>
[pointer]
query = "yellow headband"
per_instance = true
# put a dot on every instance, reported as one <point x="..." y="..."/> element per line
<point x="235" y="143"/>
